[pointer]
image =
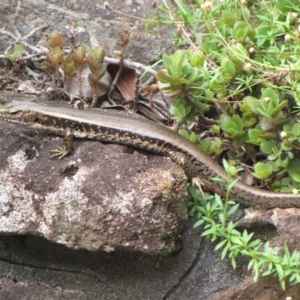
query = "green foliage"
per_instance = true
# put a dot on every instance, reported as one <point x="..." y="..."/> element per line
<point x="213" y="214"/>
<point x="73" y="63"/>
<point x="94" y="61"/>
<point x="181" y="71"/>
<point x="246" y="63"/>
<point x="55" y="55"/>
<point x="69" y="68"/>
<point x="210" y="147"/>
<point x="242" y="68"/>
<point x="233" y="126"/>
<point x="17" y="52"/>
<point x="79" y="55"/>
<point x="55" y="40"/>
<point x="95" y="58"/>
<point x="180" y="110"/>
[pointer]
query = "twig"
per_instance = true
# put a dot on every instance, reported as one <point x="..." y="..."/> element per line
<point x="18" y="9"/>
<point x="22" y="40"/>
<point x="124" y="42"/>
<point x="32" y="32"/>
<point x="130" y="64"/>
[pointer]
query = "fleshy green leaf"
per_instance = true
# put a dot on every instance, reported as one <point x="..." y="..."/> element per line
<point x="294" y="169"/>
<point x="267" y="147"/>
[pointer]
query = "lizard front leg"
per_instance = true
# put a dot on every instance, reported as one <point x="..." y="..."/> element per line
<point x="61" y="152"/>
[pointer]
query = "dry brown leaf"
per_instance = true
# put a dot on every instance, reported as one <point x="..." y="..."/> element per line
<point x="126" y="82"/>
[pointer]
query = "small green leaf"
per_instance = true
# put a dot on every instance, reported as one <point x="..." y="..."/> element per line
<point x="179" y="59"/>
<point x="279" y="108"/>
<point x="267" y="147"/>
<point x="18" y="50"/>
<point x="238" y="54"/>
<point x="240" y="31"/>
<point x="228" y="18"/>
<point x="55" y="40"/>
<point x="163" y="77"/>
<point x="286" y="145"/>
<point x="253" y="103"/>
<point x="195" y="59"/>
<point x="272" y="95"/>
<point x="241" y="34"/>
<point x="167" y="61"/>
<point x="238" y="122"/>
<point x="287" y="251"/>
<point x="246" y="12"/>
<point x="233" y="183"/>
<point x="184" y="133"/>
<point x="296" y="129"/>
<point x="233" y="262"/>
<point x="219" y="200"/>
<point x="294" y="169"/>
<point x="225" y="250"/>
<point x="282" y="283"/>
<point x="198" y="223"/>
<point x="222" y="217"/>
<point x="239" y="25"/>
<point x="228" y="67"/>
<point x="186" y="69"/>
<point x="209" y="46"/>
<point x="220" y="245"/>
<point x="279" y="271"/>
<point x="233" y="210"/>
<point x="264" y="113"/>
<point x="262" y="170"/>
<point x="79" y="54"/>
<point x="255" y="137"/>
<point x="192" y="75"/>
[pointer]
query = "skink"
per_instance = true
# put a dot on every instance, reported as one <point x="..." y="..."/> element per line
<point x="140" y="133"/>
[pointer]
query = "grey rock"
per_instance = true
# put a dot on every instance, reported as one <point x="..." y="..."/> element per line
<point x="143" y="47"/>
<point x="74" y="209"/>
<point x="102" y="197"/>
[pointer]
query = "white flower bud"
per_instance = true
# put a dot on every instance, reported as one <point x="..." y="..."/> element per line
<point x="251" y="50"/>
<point x="207" y="6"/>
<point x="283" y="135"/>
<point x="294" y="16"/>
<point x="247" y="67"/>
<point x="287" y="37"/>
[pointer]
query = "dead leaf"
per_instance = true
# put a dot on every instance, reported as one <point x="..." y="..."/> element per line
<point x="126" y="82"/>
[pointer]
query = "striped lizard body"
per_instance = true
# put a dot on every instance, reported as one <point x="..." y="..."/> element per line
<point x="139" y="133"/>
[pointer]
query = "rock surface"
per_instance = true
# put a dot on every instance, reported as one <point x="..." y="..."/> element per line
<point x="102" y="197"/>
